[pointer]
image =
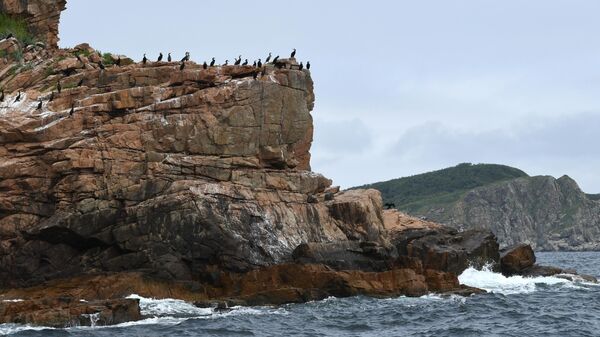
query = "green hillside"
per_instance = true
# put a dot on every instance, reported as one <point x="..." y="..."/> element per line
<point x="411" y="194"/>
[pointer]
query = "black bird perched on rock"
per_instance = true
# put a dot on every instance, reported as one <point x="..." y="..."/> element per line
<point x="254" y="64"/>
<point x="72" y="110"/>
<point x="212" y="62"/>
<point x="226" y="63"/>
<point x="118" y="61"/>
<point x="80" y="83"/>
<point x="259" y="64"/>
<point x="204" y="65"/>
<point x="182" y="65"/>
<point x="160" y="56"/>
<point x="58" y="87"/>
<point x="255" y="75"/>
<point x="2" y="96"/>
<point x="9" y="35"/>
<point x="18" y="97"/>
<point x="39" y="107"/>
<point x="169" y="59"/>
<point x="245" y="62"/>
<point x="275" y="59"/>
<point x="145" y="59"/>
<point x="301" y="66"/>
<point x="293" y="53"/>
<point x="308" y="65"/>
<point x="238" y="61"/>
<point x="186" y="57"/>
<point x="101" y="65"/>
<point x="268" y="58"/>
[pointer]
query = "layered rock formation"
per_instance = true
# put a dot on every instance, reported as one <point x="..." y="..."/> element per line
<point x="42" y="17"/>
<point x="193" y="184"/>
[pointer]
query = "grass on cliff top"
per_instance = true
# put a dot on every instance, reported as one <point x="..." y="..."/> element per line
<point x="17" y="27"/>
<point x="439" y="188"/>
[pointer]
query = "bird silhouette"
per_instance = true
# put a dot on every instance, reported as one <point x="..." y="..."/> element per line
<point x="145" y="59"/>
<point x="72" y="110"/>
<point x="39" y="106"/>
<point x="259" y="64"/>
<point x="169" y="59"/>
<point x="275" y="59"/>
<point x="226" y="62"/>
<point x="254" y="64"/>
<point x="58" y="87"/>
<point x="245" y="62"/>
<point x="118" y="61"/>
<point x="238" y="61"/>
<point x="101" y="65"/>
<point x="212" y="62"/>
<point x="301" y="66"/>
<point x="308" y="65"/>
<point x="204" y="65"/>
<point x="293" y="54"/>
<point x="160" y="57"/>
<point x="182" y="65"/>
<point x="268" y="58"/>
<point x="18" y="97"/>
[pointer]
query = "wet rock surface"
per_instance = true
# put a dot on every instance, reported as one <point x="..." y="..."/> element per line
<point x="516" y="258"/>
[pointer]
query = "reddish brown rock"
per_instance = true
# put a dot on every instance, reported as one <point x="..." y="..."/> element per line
<point x="515" y="259"/>
<point x="66" y="311"/>
<point x="42" y="17"/>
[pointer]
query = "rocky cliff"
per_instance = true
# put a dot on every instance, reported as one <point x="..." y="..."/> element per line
<point x="189" y="182"/>
<point x="548" y="213"/>
<point x="42" y="17"/>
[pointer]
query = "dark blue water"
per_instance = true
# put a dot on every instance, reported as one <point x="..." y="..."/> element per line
<point x="515" y="307"/>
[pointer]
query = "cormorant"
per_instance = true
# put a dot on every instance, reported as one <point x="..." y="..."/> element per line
<point x="2" y="96"/>
<point x="254" y="64"/>
<point x="308" y="65"/>
<point x="18" y="97"/>
<point x="186" y="57"/>
<point x="169" y="58"/>
<point x="182" y="65"/>
<point x="301" y="66"/>
<point x="58" y="87"/>
<point x="101" y="65"/>
<point x="118" y="61"/>
<point x="80" y="83"/>
<point x="160" y="56"/>
<point x="259" y="64"/>
<point x="72" y="110"/>
<point x="238" y="61"/>
<point x="275" y="59"/>
<point x="145" y="59"/>
<point x="245" y="62"/>
<point x="268" y="58"/>
<point x="204" y="65"/>
<point x="226" y="63"/>
<point x="255" y="75"/>
<point x="9" y="36"/>
<point x="293" y="53"/>
<point x="39" y="105"/>
<point x="212" y="63"/>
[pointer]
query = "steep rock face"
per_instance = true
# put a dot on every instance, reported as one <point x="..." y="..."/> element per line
<point x="548" y="213"/>
<point x="148" y="167"/>
<point x="42" y="17"/>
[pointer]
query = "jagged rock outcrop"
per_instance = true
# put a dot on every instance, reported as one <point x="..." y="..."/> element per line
<point x="42" y="17"/>
<point x="515" y="259"/>
<point x="547" y="213"/>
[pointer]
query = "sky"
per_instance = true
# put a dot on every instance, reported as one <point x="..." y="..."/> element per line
<point x="402" y="87"/>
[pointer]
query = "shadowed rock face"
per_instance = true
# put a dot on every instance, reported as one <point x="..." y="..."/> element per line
<point x="42" y="17"/>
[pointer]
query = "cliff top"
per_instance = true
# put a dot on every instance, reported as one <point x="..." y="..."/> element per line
<point x="31" y="20"/>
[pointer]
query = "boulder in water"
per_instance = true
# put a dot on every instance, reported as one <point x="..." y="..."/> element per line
<point x="516" y="258"/>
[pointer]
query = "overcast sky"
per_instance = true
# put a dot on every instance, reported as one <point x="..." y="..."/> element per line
<point x="402" y="87"/>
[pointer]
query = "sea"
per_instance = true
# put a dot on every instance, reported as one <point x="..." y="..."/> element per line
<point x="513" y="306"/>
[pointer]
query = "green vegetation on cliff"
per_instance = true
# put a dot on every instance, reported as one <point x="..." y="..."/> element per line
<point x="411" y="194"/>
<point x="16" y="27"/>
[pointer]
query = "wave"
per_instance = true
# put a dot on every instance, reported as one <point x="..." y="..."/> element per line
<point x="494" y="282"/>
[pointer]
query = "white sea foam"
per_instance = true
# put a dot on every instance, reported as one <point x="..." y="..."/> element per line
<point x="9" y="329"/>
<point x="498" y="283"/>
<point x="169" y="307"/>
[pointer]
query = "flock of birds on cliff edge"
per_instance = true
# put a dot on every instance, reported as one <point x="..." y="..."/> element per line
<point x="238" y="62"/>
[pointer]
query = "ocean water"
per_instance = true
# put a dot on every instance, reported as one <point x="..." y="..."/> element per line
<point x="514" y="306"/>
